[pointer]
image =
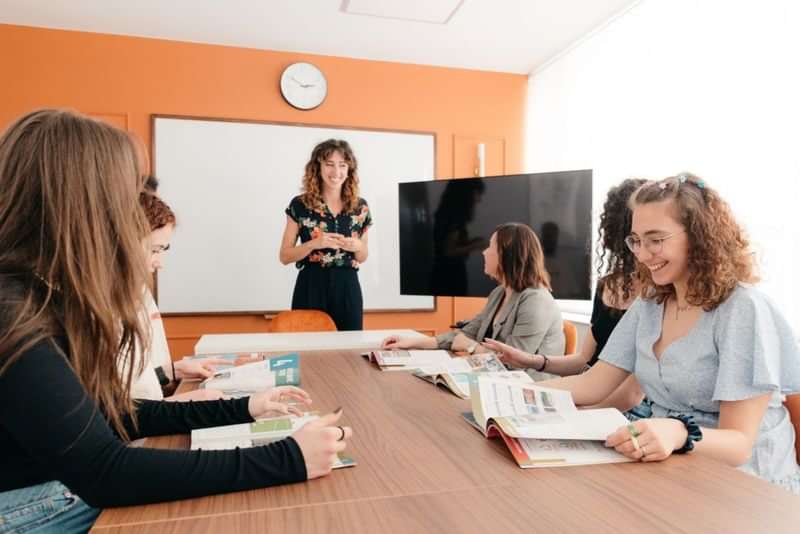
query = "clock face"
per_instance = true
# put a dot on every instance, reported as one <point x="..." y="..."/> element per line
<point x="303" y="85"/>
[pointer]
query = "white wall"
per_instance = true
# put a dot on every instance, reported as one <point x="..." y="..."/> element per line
<point x="707" y="86"/>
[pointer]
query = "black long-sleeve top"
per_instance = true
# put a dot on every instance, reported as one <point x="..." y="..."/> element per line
<point x="51" y="430"/>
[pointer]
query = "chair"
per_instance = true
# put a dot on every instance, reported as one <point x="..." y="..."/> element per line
<point x="792" y="404"/>
<point x="302" y="321"/>
<point x="570" y="337"/>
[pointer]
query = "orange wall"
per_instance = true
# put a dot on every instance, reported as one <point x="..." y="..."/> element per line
<point x="126" y="79"/>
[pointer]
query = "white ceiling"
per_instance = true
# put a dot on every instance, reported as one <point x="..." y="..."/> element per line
<point x="496" y="35"/>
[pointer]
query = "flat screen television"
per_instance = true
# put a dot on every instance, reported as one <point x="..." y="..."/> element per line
<point x="446" y="224"/>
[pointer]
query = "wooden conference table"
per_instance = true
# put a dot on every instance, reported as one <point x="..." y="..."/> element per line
<point x="422" y="469"/>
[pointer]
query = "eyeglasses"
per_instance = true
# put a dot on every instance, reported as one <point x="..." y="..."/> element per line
<point x="158" y="249"/>
<point x="653" y="245"/>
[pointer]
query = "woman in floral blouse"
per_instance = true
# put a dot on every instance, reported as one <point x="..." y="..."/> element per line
<point x="331" y="221"/>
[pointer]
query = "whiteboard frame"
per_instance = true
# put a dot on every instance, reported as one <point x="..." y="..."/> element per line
<point x="268" y="313"/>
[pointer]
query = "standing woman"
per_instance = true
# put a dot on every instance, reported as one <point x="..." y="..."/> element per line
<point x="331" y="221"/>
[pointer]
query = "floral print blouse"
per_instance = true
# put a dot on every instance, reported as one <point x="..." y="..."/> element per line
<point x="313" y="222"/>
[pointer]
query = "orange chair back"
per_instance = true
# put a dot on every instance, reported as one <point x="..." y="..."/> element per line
<point x="302" y="321"/>
<point x="570" y="337"/>
<point x="792" y="404"/>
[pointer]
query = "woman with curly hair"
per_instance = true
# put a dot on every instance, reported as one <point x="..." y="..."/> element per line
<point x="331" y="221"/>
<point x="712" y="353"/>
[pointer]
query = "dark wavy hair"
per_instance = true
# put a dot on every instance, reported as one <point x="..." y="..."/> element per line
<point x="521" y="259"/>
<point x="616" y="264"/>
<point x="312" y="179"/>
<point x="158" y="212"/>
<point x="719" y="251"/>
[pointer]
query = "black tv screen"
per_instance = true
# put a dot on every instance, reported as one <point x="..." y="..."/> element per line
<point x="446" y="224"/>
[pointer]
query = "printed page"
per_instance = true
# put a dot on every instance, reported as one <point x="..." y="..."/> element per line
<point x="234" y="359"/>
<point x="582" y="424"/>
<point x="259" y="376"/>
<point x="412" y="360"/>
<point x="558" y="453"/>
<point x="261" y="432"/>
<point x="493" y="398"/>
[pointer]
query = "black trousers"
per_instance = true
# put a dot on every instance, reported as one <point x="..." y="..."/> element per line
<point x="334" y="290"/>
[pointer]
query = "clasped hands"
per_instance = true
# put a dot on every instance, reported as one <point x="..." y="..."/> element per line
<point x="338" y="241"/>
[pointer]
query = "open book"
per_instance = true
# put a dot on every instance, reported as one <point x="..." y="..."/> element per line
<point x="261" y="432"/>
<point x="243" y="380"/>
<point x="455" y="374"/>
<point x="408" y="360"/>
<point x="541" y="426"/>
<point x="235" y="359"/>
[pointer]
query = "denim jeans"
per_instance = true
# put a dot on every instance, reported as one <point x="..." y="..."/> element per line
<point x="45" y="508"/>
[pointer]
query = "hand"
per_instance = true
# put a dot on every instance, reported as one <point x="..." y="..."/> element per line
<point x="397" y="342"/>
<point x="512" y="356"/>
<point x="197" y="395"/>
<point x="351" y="244"/>
<point x="320" y="442"/>
<point x="657" y="439"/>
<point x="198" y="368"/>
<point x="274" y="402"/>
<point x="327" y="240"/>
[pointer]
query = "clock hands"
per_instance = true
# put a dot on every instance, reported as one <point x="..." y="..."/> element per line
<point x="301" y="84"/>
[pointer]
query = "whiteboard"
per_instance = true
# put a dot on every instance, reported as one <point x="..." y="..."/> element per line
<point x="229" y="183"/>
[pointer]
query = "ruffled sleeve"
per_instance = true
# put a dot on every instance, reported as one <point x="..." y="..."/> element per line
<point x="620" y="349"/>
<point x="758" y="351"/>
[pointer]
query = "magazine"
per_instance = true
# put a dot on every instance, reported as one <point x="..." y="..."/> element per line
<point x="408" y="360"/>
<point x="249" y="378"/>
<point x="235" y="359"/>
<point x="542" y="427"/>
<point x="261" y="432"/>
<point x="455" y="374"/>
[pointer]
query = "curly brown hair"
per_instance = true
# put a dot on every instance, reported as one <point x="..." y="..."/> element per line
<point x="521" y="259"/>
<point x="312" y="179"/>
<point x="616" y="264"/>
<point x="719" y="251"/>
<point x="158" y="212"/>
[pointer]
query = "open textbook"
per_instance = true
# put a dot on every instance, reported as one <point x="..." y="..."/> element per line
<point x="261" y="432"/>
<point x="455" y="373"/>
<point x="408" y="360"/>
<point x="234" y="359"/>
<point x="541" y="426"/>
<point x="243" y="380"/>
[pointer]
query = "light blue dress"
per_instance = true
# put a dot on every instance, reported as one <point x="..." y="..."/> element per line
<point x="744" y="348"/>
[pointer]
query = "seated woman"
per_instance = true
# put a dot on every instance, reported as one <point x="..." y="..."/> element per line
<point x="72" y="269"/>
<point x="712" y="353"/>
<point x="520" y="311"/>
<point x="616" y="290"/>
<point x="160" y="372"/>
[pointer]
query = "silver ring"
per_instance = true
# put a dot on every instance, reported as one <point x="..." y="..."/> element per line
<point x="342" y="436"/>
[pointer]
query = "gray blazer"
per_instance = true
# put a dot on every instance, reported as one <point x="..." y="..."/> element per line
<point x="531" y="322"/>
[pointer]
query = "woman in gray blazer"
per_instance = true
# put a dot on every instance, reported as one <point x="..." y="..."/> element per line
<point x="520" y="311"/>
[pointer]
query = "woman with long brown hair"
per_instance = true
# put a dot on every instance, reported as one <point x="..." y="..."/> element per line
<point x="72" y="269"/>
<point x="520" y="311"/>
<point x="331" y="221"/>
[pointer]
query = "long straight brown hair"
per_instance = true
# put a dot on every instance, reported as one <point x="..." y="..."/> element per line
<point x="72" y="265"/>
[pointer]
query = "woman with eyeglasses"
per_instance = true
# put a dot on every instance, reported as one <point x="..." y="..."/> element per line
<point x="713" y="354"/>
<point x="615" y="292"/>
